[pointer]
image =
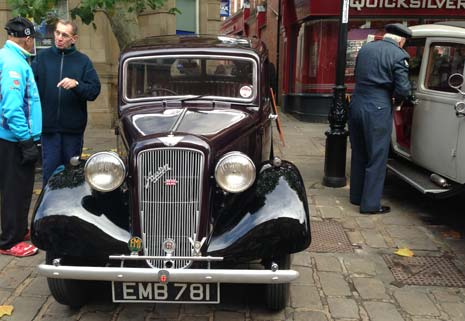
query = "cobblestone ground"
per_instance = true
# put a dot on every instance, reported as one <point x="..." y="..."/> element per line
<point x="355" y="285"/>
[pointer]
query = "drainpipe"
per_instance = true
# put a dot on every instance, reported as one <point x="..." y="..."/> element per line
<point x="197" y="15"/>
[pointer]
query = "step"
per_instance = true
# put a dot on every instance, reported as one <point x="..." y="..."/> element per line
<point x="415" y="176"/>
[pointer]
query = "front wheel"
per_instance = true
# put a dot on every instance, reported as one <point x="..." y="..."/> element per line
<point x="277" y="295"/>
<point x="74" y="293"/>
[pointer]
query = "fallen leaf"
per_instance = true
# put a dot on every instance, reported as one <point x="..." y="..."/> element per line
<point x="404" y="252"/>
<point x="85" y="155"/>
<point x="36" y="191"/>
<point x="86" y="148"/>
<point x="451" y="234"/>
<point x="6" y="310"/>
<point x="113" y="150"/>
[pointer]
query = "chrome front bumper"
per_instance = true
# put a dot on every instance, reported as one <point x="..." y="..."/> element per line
<point x="125" y="274"/>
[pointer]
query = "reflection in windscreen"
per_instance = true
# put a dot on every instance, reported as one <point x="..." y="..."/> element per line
<point x="185" y="75"/>
<point x="194" y="122"/>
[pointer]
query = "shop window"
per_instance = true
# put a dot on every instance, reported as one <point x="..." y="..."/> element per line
<point x="444" y="60"/>
<point x="316" y="53"/>
<point x="316" y="56"/>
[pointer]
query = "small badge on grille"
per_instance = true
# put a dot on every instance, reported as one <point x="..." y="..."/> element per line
<point x="163" y="276"/>
<point x="135" y="244"/>
<point x="169" y="246"/>
<point x="171" y="182"/>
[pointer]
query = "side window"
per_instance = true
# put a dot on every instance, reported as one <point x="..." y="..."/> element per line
<point x="444" y="60"/>
<point x="415" y="48"/>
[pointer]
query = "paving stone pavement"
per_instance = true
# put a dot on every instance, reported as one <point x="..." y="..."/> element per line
<point x="347" y="286"/>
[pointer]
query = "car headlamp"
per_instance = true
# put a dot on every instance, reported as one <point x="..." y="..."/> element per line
<point x="235" y="172"/>
<point x="104" y="171"/>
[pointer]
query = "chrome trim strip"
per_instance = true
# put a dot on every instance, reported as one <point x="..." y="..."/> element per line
<point x="175" y="275"/>
<point x="173" y="258"/>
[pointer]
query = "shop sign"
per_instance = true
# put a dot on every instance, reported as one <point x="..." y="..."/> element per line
<point x="224" y="8"/>
<point x="407" y="4"/>
<point x="417" y="8"/>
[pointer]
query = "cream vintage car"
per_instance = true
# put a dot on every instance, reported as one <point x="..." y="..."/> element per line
<point x="428" y="139"/>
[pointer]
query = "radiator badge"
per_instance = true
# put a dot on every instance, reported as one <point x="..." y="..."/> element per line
<point x="135" y="244"/>
<point x="153" y="178"/>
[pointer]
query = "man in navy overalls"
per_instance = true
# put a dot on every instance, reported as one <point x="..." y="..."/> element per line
<point x="381" y="75"/>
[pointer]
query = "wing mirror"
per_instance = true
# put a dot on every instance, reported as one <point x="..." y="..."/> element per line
<point x="456" y="81"/>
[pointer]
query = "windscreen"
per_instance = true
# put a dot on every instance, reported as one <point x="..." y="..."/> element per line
<point x="219" y="77"/>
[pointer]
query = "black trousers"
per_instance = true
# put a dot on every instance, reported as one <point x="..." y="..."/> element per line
<point x="16" y="184"/>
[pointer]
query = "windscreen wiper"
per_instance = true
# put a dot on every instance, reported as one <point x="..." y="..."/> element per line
<point x="194" y="97"/>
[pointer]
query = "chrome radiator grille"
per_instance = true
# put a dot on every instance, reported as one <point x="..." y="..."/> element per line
<point x="170" y="181"/>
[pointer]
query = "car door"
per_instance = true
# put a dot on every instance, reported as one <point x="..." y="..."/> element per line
<point x="435" y="126"/>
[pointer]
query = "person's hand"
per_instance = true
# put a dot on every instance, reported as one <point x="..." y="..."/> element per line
<point x="397" y="101"/>
<point x="412" y="99"/>
<point x="68" y="83"/>
<point x="29" y="152"/>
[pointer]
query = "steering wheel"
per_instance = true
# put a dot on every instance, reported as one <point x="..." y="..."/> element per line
<point x="161" y="90"/>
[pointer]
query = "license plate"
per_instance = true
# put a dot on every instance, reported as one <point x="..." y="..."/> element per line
<point x="166" y="292"/>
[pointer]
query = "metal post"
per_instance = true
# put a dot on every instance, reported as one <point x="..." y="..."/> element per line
<point x="336" y="135"/>
<point x="278" y="37"/>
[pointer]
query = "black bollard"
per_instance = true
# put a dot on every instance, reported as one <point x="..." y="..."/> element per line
<point x="336" y="135"/>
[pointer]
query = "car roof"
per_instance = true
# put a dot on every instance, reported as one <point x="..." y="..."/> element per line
<point x="197" y="42"/>
<point x="437" y="30"/>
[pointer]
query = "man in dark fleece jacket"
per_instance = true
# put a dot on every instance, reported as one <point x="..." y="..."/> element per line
<point x="66" y="80"/>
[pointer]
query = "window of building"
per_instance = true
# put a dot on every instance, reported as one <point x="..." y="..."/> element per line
<point x="186" y="22"/>
<point x="44" y="37"/>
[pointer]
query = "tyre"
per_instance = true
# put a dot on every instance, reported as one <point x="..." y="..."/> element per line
<point x="277" y="295"/>
<point x="74" y="293"/>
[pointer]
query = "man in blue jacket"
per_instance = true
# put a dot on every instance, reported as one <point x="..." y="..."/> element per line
<point x="66" y="80"/>
<point x="381" y="75"/>
<point x="20" y="128"/>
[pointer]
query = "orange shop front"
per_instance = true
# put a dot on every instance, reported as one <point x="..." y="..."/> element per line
<point x="310" y="35"/>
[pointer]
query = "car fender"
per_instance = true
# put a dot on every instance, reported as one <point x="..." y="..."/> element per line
<point x="268" y="220"/>
<point x="72" y="219"/>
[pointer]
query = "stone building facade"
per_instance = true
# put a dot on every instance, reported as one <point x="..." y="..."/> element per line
<point x="101" y="46"/>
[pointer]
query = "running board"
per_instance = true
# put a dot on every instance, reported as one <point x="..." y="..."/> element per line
<point x="415" y="176"/>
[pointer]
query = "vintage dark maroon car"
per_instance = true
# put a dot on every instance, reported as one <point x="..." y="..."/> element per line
<point x="193" y="191"/>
